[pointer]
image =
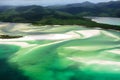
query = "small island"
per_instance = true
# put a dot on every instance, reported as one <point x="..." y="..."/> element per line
<point x="8" y="37"/>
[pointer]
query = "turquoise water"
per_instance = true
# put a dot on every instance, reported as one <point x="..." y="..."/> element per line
<point x="107" y="20"/>
<point x="7" y="50"/>
<point x="90" y="54"/>
<point x="8" y="71"/>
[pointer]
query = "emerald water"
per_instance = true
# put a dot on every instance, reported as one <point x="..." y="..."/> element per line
<point x="59" y="53"/>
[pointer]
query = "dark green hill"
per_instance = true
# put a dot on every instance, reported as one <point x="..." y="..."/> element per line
<point x="111" y="9"/>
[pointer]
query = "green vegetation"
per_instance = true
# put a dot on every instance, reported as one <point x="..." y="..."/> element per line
<point x="8" y="36"/>
<point x="104" y="9"/>
<point x="64" y="15"/>
<point x="83" y="22"/>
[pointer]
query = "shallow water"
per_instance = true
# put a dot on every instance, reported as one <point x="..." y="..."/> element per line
<point x="90" y="54"/>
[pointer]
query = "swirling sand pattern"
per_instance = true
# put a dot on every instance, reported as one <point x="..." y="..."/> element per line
<point x="84" y="54"/>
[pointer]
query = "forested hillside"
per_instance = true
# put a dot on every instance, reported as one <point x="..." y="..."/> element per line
<point x="71" y="14"/>
<point x="111" y="9"/>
